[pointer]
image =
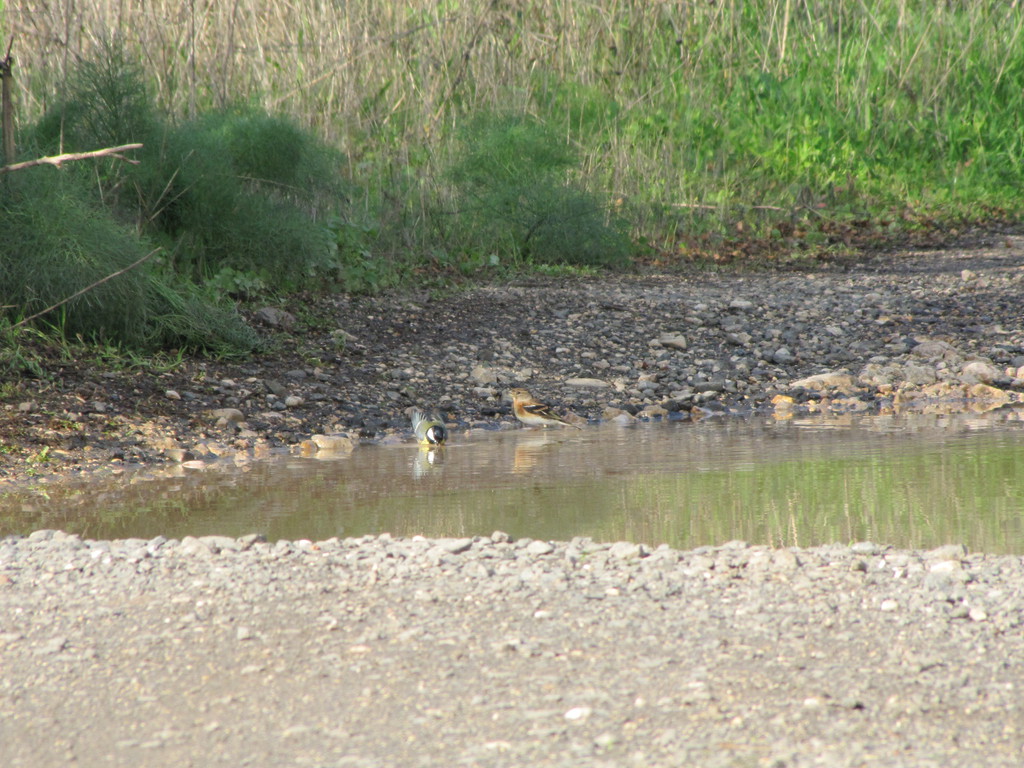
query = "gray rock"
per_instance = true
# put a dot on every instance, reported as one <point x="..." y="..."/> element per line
<point x="947" y="552"/>
<point x="865" y="548"/>
<point x="673" y="341"/>
<point x="783" y="355"/>
<point x="51" y="646"/>
<point x="455" y="546"/>
<point x="935" y="350"/>
<point x="834" y="381"/>
<point x="585" y="383"/>
<point x="539" y="548"/>
<point x="484" y="375"/>
<point x="627" y="550"/>
<point x="980" y="372"/>
<point x="274" y="317"/>
<point x="227" y="415"/>
<point x="219" y="543"/>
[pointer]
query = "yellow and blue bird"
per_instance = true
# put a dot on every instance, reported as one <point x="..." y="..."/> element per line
<point x="428" y="427"/>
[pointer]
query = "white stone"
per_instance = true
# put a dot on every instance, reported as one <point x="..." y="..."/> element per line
<point x="673" y="341"/>
<point x="587" y="383"/>
<point x="979" y="371"/>
<point x="484" y="375"/>
<point x="578" y="713"/>
<point x="822" y="381"/>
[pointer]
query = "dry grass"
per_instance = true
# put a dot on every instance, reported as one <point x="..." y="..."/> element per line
<point x="343" y="68"/>
<point x="671" y="103"/>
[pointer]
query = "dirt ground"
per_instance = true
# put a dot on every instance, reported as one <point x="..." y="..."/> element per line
<point x="492" y="652"/>
<point x="354" y="365"/>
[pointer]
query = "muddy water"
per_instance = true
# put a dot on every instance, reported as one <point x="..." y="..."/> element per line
<point x="912" y="481"/>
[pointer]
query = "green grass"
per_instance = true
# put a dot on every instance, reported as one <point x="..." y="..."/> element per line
<point x="692" y="115"/>
<point x="463" y="135"/>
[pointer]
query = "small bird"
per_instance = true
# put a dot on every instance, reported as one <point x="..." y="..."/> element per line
<point x="428" y="427"/>
<point x="533" y="413"/>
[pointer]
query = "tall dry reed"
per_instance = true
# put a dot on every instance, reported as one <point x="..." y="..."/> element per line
<point x="670" y="102"/>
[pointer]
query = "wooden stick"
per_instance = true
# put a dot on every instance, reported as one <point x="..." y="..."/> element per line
<point x="704" y="207"/>
<point x="7" y="96"/>
<point x="87" y="288"/>
<point x="56" y="160"/>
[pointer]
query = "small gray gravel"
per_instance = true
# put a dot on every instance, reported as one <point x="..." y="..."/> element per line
<point x="490" y="652"/>
<point x="899" y="330"/>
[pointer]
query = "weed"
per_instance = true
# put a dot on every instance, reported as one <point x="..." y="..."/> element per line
<point x="40" y="457"/>
<point x="234" y="284"/>
<point x="514" y="195"/>
<point x="692" y="117"/>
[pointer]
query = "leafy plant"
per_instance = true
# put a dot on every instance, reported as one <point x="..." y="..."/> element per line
<point x="360" y="270"/>
<point x="60" y="248"/>
<point x="231" y="283"/>
<point x="514" y="194"/>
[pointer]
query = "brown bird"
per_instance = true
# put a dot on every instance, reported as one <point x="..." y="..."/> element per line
<point x="534" y="413"/>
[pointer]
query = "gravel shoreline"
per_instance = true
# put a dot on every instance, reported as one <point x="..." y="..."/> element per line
<point x="908" y="330"/>
<point x="491" y="652"/>
<point x="413" y="652"/>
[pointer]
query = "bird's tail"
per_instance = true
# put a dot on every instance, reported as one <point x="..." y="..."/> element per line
<point x="417" y="417"/>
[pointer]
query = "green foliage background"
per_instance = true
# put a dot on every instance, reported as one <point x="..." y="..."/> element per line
<point x="362" y="146"/>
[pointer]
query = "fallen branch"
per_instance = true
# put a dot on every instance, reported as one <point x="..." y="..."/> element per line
<point x="56" y="160"/>
<point x="7" y="117"/>
<point x="705" y="207"/>
<point x="87" y="288"/>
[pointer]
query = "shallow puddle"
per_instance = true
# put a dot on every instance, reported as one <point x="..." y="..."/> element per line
<point x="910" y="481"/>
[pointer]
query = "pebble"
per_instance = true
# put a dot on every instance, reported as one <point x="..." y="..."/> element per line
<point x="863" y="339"/>
<point x="229" y="415"/>
<point x="838" y="339"/>
<point x="585" y="383"/>
<point x="841" y="653"/>
<point x="633" y="649"/>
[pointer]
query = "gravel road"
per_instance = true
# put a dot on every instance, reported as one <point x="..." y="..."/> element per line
<point x="490" y="652"/>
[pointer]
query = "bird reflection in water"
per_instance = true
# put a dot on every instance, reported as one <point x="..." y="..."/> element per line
<point x="429" y="459"/>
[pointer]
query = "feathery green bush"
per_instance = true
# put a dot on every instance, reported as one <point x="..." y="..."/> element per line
<point x="515" y="194"/>
<point x="57" y="241"/>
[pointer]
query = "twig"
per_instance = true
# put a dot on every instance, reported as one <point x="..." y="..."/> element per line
<point x="463" y="67"/>
<point x="76" y="294"/>
<point x="7" y="76"/>
<point x="56" y="160"/>
<point x="705" y="207"/>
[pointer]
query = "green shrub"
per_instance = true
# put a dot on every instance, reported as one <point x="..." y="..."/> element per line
<point x="514" y="194"/>
<point x="236" y="188"/>
<point x="106" y="104"/>
<point x="57" y="241"/>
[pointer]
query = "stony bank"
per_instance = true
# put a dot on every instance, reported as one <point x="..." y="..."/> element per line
<point x="488" y="651"/>
<point x="898" y="330"/>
